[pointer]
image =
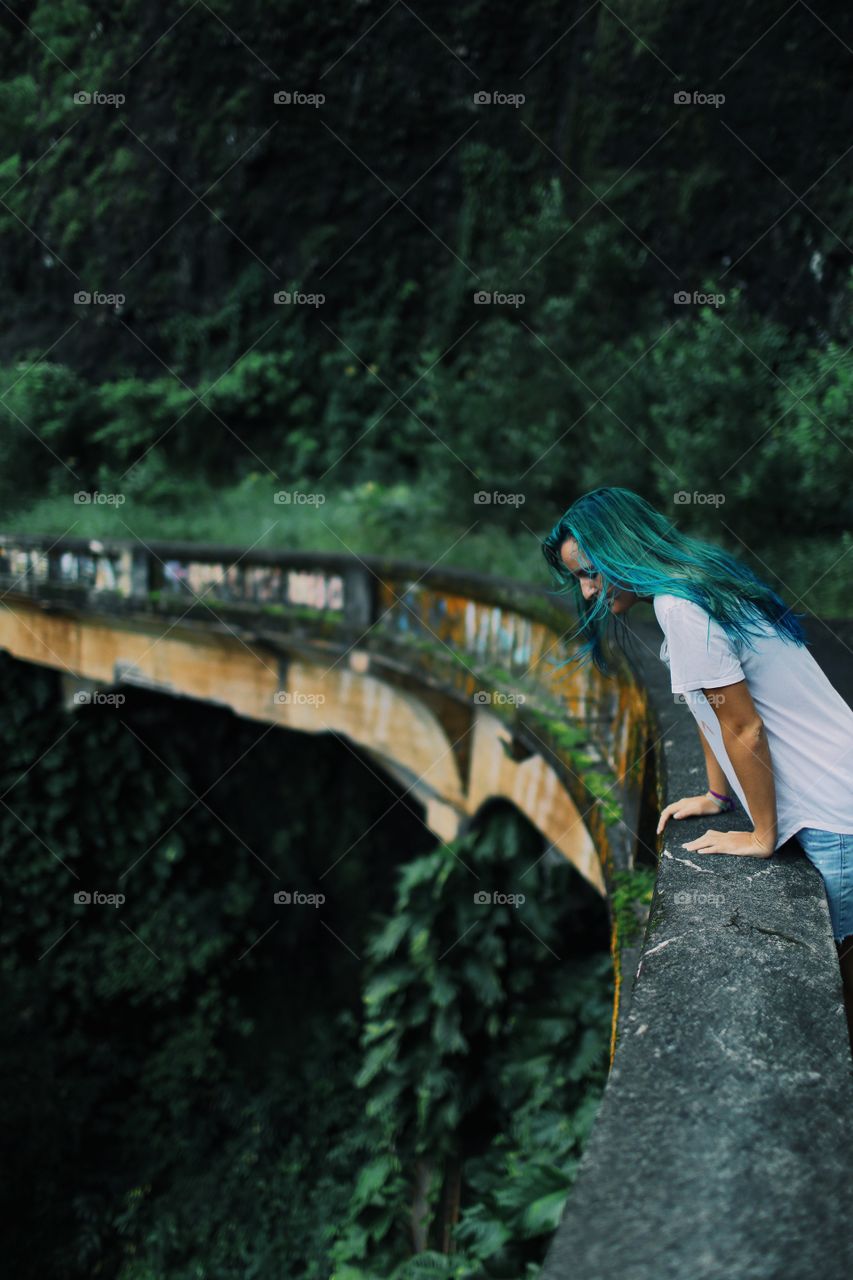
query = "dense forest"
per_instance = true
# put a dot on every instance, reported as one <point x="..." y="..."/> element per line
<point x="200" y="1081"/>
<point x="226" y="156"/>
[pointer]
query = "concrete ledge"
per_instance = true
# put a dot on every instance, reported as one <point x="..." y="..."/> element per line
<point x="723" y="1148"/>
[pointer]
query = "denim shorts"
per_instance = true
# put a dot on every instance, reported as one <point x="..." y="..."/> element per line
<point x="832" y="854"/>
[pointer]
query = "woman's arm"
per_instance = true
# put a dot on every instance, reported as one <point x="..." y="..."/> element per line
<point x="749" y="753"/>
<point x="745" y="741"/>
<point x="717" y="780"/>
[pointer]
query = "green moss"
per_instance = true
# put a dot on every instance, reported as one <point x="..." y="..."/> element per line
<point x="564" y="735"/>
<point x="601" y="785"/>
<point x="565" y="738"/>
<point x="383" y="637"/>
<point x="630" y="896"/>
<point x="498" y="675"/>
<point x="322" y="618"/>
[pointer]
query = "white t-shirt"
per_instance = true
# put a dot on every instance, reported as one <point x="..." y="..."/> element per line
<point x="808" y="724"/>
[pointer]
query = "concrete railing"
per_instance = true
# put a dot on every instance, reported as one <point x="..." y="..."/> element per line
<point x="472" y="636"/>
<point x="723" y="1147"/>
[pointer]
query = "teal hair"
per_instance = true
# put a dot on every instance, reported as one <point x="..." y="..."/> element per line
<point x="635" y="548"/>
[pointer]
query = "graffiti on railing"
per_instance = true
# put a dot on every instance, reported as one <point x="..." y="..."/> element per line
<point x="483" y="629"/>
<point x="493" y="640"/>
<point x="101" y="569"/>
<point x="256" y="584"/>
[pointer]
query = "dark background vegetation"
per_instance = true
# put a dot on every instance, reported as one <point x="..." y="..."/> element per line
<point x="397" y="199"/>
<point x="191" y="1088"/>
<point x="202" y="1082"/>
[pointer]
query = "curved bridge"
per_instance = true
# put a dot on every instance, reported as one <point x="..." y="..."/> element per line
<point x="724" y="1140"/>
<point x="445" y="679"/>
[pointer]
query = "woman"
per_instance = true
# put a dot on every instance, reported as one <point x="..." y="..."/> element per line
<point x="770" y="722"/>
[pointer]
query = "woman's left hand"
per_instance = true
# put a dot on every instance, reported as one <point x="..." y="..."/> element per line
<point x="745" y="844"/>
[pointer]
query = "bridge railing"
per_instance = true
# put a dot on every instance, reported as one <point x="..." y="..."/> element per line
<point x="727" y="1118"/>
<point x="481" y="637"/>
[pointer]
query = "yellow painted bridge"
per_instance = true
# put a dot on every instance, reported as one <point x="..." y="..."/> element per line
<point x="449" y="681"/>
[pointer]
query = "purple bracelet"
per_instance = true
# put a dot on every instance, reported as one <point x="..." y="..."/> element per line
<point x="728" y="800"/>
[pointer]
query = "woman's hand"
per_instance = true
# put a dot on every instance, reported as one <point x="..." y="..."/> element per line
<point x="744" y="844"/>
<point x="687" y="807"/>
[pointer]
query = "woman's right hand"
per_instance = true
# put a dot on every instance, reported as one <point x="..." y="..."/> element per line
<point x="688" y="807"/>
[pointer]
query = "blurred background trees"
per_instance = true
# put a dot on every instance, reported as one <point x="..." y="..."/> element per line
<point x="397" y="198"/>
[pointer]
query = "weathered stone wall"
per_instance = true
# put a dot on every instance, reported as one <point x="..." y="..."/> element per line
<point x="448" y="679"/>
<point x="723" y="1148"/>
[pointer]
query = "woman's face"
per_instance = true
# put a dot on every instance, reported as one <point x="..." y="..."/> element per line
<point x="619" y="601"/>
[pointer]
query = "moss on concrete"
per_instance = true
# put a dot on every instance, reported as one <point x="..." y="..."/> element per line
<point x="630" y="898"/>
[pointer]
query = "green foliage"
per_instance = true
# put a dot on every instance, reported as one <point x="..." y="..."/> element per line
<point x="477" y="1035"/>
<point x="163" y="1055"/>
<point x="212" y="1090"/>
<point x="630" y="899"/>
<point x="597" y="200"/>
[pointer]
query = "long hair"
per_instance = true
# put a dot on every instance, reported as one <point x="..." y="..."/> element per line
<point x="635" y="548"/>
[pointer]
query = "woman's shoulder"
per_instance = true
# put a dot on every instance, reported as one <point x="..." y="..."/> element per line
<point x="665" y="603"/>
